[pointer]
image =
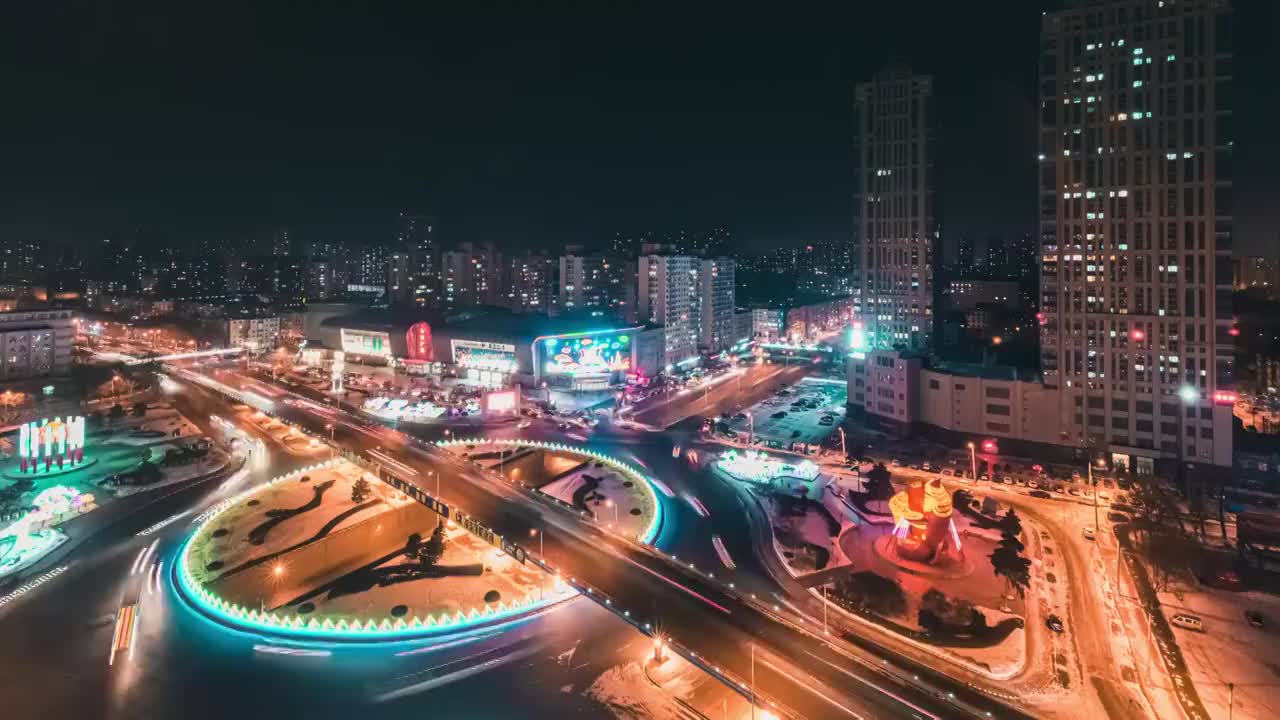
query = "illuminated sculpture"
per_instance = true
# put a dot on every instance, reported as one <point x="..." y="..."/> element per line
<point x="923" y="528"/>
<point x="755" y="466"/>
<point x="29" y="535"/>
<point x="53" y="441"/>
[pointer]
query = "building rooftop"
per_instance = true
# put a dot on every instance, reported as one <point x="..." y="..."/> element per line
<point x="496" y="322"/>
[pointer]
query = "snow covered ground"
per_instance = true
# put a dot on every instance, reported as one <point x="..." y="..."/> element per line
<point x="1230" y="650"/>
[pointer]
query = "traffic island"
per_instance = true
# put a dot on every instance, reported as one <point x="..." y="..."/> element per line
<point x="332" y="553"/>
<point x="616" y="495"/>
<point x="917" y="569"/>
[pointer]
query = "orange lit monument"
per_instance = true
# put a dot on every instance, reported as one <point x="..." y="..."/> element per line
<point x="923" y="529"/>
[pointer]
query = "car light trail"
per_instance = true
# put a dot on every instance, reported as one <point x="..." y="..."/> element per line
<point x="697" y="505"/>
<point x="792" y="677"/>
<point x="920" y="711"/>
<point x="393" y="463"/>
<point x="122" y="638"/>
<point x="295" y="652"/>
<point x="725" y="557"/>
<point x="141" y="561"/>
<point x="677" y="585"/>
<point x="442" y="646"/>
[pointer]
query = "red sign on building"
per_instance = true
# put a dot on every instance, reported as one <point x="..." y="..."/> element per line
<point x="419" y="341"/>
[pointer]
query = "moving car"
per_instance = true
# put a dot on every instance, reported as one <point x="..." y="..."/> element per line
<point x="1054" y="623"/>
<point x="1255" y="618"/>
<point x="1088" y="532"/>
<point x="779" y="415"/>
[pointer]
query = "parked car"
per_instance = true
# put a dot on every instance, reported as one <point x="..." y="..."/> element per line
<point x="1088" y="532"/>
<point x="1033" y="484"/>
<point x="1040" y="494"/>
<point x="1008" y="480"/>
<point x="1187" y="622"/>
<point x="779" y="415"/>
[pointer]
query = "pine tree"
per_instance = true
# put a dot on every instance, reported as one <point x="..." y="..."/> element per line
<point x="430" y="552"/>
<point x="360" y="491"/>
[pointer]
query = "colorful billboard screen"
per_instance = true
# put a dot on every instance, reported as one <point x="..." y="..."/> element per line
<point x="484" y="355"/>
<point x="366" y="342"/>
<point x="587" y="354"/>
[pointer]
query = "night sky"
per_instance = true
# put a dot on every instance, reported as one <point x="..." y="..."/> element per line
<point x="529" y="124"/>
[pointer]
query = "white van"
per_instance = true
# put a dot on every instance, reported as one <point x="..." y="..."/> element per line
<point x="1188" y="622"/>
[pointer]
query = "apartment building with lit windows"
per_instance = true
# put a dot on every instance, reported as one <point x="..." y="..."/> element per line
<point x="895" y="225"/>
<point x="1135" y="228"/>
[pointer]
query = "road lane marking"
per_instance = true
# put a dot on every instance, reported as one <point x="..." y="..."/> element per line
<point x="163" y="523"/>
<point x="31" y="585"/>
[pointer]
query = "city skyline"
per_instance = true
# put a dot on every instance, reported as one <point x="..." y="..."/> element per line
<point x="744" y="125"/>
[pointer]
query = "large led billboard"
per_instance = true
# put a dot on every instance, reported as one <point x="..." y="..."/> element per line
<point x="587" y="353"/>
<point x="484" y="355"/>
<point x="366" y="342"/>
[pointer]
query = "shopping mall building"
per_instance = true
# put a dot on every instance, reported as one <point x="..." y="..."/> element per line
<point x="489" y="346"/>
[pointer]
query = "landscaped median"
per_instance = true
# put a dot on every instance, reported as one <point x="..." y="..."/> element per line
<point x="330" y="553"/>
<point x="614" y="493"/>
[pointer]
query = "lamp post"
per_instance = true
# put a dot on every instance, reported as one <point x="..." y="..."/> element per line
<point x="973" y="462"/>
<point x="844" y="450"/>
<point x="614" y="505"/>
<point x="542" y="581"/>
<point x="751" y="425"/>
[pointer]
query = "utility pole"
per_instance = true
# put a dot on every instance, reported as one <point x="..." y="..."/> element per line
<point x="825" y="631"/>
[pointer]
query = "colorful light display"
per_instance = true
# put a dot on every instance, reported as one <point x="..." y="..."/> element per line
<point x="592" y="354"/>
<point x="28" y="538"/>
<point x="923" y="528"/>
<point x="55" y="441"/>
<point x="755" y="466"/>
<point x="640" y="479"/>
<point x="297" y="627"/>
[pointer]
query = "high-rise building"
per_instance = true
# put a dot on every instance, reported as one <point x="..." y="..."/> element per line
<point x="1135" y="228"/>
<point x="716" y="304"/>
<point x="369" y="265"/>
<point x="895" y="223"/>
<point x="470" y="275"/>
<point x="668" y="295"/>
<point x="417" y="237"/>
<point x="965" y="256"/>
<point x="281" y="243"/>
<point x="595" y="284"/>
<point x="399" y="278"/>
<point x="529" y="283"/>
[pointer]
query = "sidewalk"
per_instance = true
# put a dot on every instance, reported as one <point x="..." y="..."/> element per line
<point x="699" y="694"/>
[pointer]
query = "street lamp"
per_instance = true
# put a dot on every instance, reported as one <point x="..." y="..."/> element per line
<point x="973" y="461"/>
<point x="751" y="432"/>
<point x="614" y="505"/>
<point x="542" y="557"/>
<point x="844" y="450"/>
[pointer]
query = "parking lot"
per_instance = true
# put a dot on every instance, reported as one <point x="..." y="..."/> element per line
<point x="806" y="412"/>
